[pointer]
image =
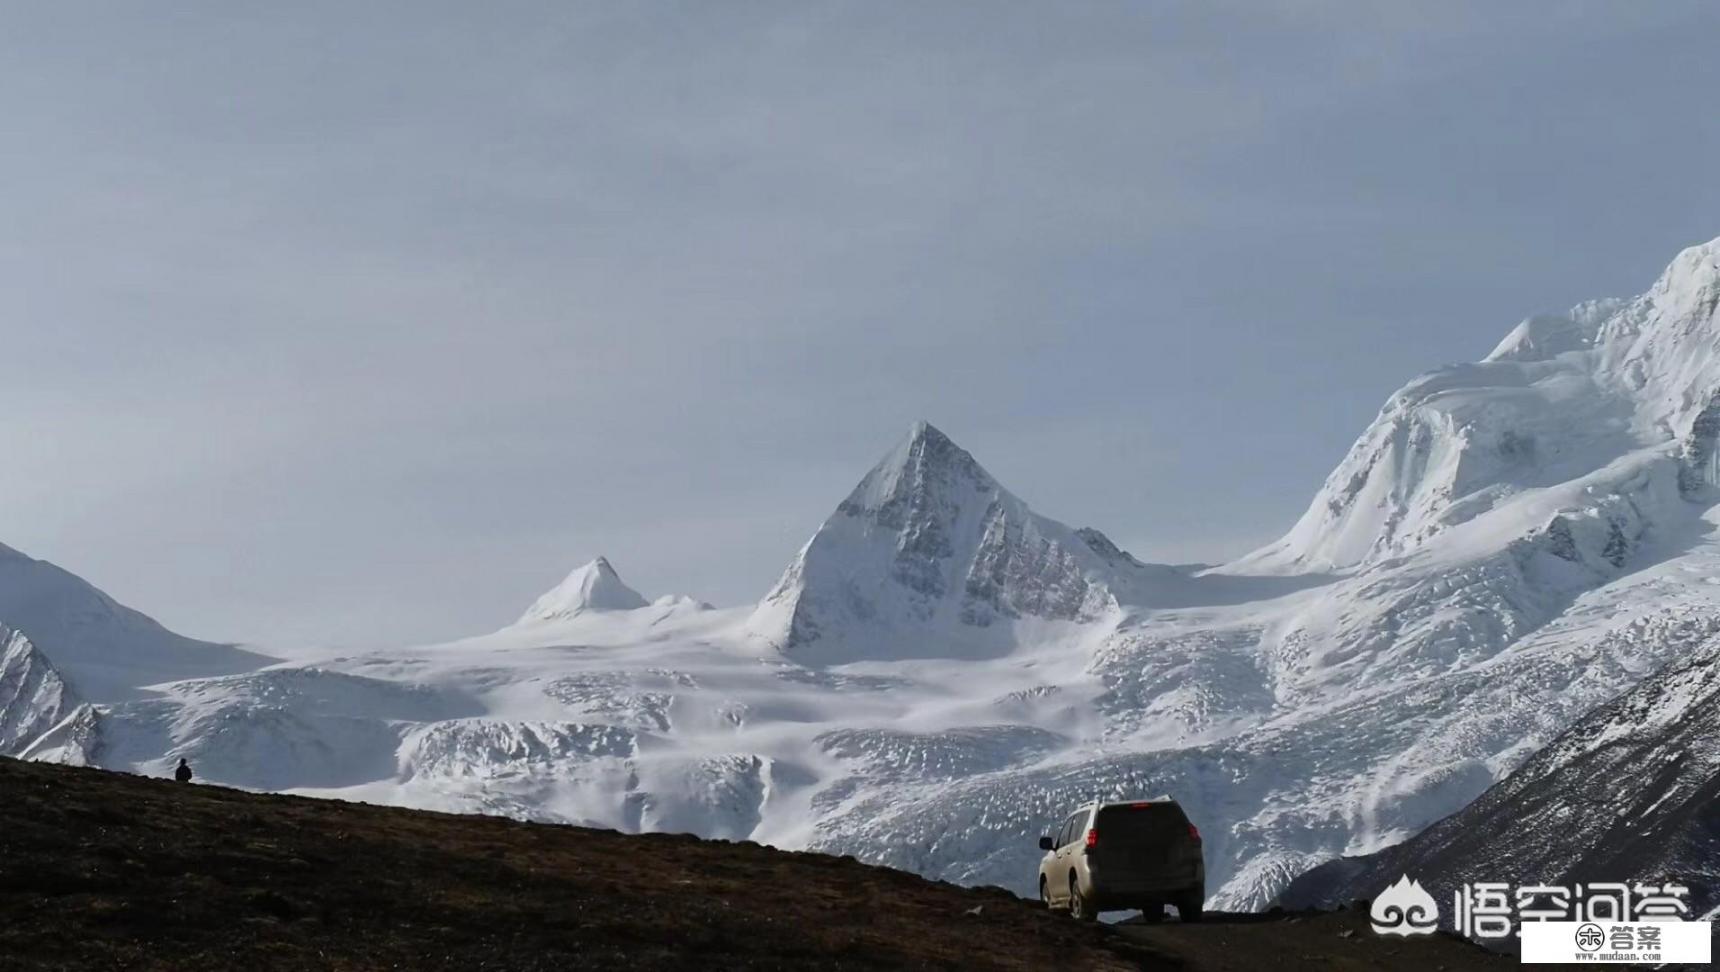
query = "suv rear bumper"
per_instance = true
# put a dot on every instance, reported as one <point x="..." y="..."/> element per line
<point x="1109" y="892"/>
<point x="1107" y="897"/>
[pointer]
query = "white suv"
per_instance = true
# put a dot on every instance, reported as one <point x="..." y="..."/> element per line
<point x="1114" y="856"/>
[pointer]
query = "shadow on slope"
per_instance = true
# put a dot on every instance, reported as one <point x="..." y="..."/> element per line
<point x="101" y="870"/>
<point x="104" y="870"/>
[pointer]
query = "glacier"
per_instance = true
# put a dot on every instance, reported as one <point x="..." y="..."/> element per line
<point x="942" y="671"/>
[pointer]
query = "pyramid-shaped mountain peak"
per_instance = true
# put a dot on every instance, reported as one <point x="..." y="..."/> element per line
<point x="930" y="556"/>
<point x="925" y="468"/>
<point x="594" y="586"/>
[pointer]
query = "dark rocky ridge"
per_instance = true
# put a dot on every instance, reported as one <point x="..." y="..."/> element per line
<point x="1631" y="792"/>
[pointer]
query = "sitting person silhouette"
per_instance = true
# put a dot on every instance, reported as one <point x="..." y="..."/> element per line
<point x="183" y="773"/>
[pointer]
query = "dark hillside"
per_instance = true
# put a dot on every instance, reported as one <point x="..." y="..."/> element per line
<point x="107" y="870"/>
<point x="103" y="870"/>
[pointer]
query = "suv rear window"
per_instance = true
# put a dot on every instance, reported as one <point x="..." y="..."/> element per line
<point x="1145" y="823"/>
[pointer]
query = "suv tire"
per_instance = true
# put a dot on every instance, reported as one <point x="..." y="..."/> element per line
<point x="1189" y="906"/>
<point x="1079" y="909"/>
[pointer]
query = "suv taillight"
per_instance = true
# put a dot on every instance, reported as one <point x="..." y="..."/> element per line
<point x="1092" y="839"/>
<point x="1194" y="833"/>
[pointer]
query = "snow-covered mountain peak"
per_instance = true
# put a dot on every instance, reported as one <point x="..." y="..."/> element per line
<point x="1692" y="277"/>
<point x="594" y="586"/>
<point x="681" y="602"/>
<point x="929" y="555"/>
<point x="924" y="471"/>
<point x="107" y="649"/>
<point x="1561" y="397"/>
<point x="1663" y="349"/>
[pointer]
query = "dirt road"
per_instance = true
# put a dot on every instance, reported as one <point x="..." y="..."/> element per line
<point x="1338" y="941"/>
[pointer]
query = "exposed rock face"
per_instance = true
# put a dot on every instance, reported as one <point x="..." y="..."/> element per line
<point x="1626" y="794"/>
<point x="75" y="741"/>
<point x="33" y="696"/>
<point x="928" y="548"/>
<point x="1701" y="451"/>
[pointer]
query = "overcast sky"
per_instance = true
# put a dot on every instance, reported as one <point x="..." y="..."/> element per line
<point x="359" y="323"/>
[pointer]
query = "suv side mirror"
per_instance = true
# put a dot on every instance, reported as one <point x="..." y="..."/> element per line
<point x="1045" y="843"/>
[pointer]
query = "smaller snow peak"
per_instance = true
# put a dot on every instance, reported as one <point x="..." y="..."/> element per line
<point x="593" y="587"/>
<point x="1545" y="336"/>
<point x="681" y="602"/>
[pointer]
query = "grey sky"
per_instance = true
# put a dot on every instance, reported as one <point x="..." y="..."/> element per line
<point x="366" y="325"/>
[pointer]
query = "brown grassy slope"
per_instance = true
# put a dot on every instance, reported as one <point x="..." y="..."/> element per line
<point x="106" y="870"/>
